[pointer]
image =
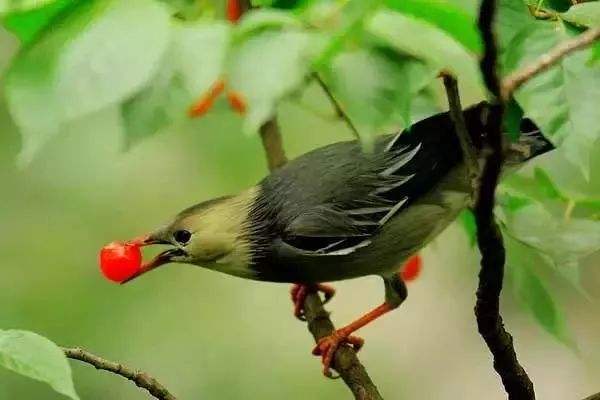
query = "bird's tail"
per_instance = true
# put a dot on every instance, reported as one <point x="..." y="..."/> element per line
<point x="531" y="143"/>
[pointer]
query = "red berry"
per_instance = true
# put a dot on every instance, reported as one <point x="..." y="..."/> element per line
<point x="234" y="10"/>
<point x="119" y="261"/>
<point x="412" y="268"/>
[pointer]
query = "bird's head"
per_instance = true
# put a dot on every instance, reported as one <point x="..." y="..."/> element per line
<point x="211" y="234"/>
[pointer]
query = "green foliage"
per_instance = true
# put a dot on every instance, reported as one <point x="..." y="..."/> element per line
<point x="584" y="14"/>
<point x="533" y="292"/>
<point x="561" y="101"/>
<point x="80" y="67"/>
<point x="445" y="15"/>
<point x="36" y="357"/>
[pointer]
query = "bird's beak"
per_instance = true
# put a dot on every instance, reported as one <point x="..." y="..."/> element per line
<point x="162" y="258"/>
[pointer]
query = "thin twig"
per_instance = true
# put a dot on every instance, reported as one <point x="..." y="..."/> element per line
<point x="273" y="144"/>
<point x="141" y="379"/>
<point x="515" y="80"/>
<point x="464" y="138"/>
<point x="336" y="105"/>
<point x="487" y="309"/>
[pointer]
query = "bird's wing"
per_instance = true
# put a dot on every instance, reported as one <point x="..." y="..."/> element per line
<point x="346" y="225"/>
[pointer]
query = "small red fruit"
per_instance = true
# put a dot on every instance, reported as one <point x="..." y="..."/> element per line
<point x="234" y="10"/>
<point x="120" y="261"/>
<point x="412" y="268"/>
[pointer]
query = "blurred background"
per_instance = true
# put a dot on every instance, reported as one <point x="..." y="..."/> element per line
<point x="207" y="335"/>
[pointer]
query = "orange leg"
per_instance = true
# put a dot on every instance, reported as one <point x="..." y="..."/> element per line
<point x="395" y="294"/>
<point x="300" y="291"/>
<point x="327" y="346"/>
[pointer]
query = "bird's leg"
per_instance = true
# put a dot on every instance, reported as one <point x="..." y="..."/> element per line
<point x="300" y="291"/>
<point x="395" y="294"/>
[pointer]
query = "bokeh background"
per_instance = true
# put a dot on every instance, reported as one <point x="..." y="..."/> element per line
<point x="211" y="336"/>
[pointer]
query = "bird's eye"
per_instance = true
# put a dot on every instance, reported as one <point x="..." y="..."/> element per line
<point x="182" y="236"/>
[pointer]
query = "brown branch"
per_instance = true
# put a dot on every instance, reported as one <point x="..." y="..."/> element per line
<point x="272" y="144"/>
<point x="336" y="105"/>
<point x="141" y="379"/>
<point x="489" y="238"/>
<point x="464" y="138"/>
<point x="516" y="79"/>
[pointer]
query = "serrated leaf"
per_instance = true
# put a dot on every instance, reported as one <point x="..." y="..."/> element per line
<point x="265" y="68"/>
<point x="98" y="54"/>
<point x="423" y="41"/>
<point x="445" y="15"/>
<point x="36" y="357"/>
<point x="562" y="100"/>
<point x="585" y="14"/>
<point x="532" y="292"/>
<point x="375" y="87"/>
<point x="26" y="24"/>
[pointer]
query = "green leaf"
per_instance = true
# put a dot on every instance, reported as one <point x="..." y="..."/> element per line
<point x="513" y="116"/>
<point x="97" y="55"/>
<point x="189" y="68"/>
<point x="532" y="292"/>
<point x="467" y="220"/>
<point x="10" y="6"/>
<point x="513" y="17"/>
<point x="267" y="67"/>
<point x="585" y="14"/>
<point x="27" y="24"/>
<point x="36" y="357"/>
<point x="595" y="56"/>
<point x="559" y="5"/>
<point x="375" y="87"/>
<point x="200" y="52"/>
<point x="547" y="185"/>
<point x="562" y="100"/>
<point x="265" y="19"/>
<point x="562" y="241"/>
<point x="420" y="39"/>
<point x="445" y="15"/>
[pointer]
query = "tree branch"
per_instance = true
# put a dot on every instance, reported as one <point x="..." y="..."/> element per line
<point x="345" y="362"/>
<point x="141" y="379"/>
<point x="272" y="144"/>
<point x="515" y="80"/>
<point x="336" y="105"/>
<point x="464" y="138"/>
<point x="489" y="238"/>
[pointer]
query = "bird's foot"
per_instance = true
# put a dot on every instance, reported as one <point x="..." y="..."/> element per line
<point x="300" y="291"/>
<point x="327" y="346"/>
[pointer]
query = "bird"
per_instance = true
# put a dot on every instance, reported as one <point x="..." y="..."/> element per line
<point x="340" y="212"/>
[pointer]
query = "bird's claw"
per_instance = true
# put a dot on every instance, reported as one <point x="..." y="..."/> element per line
<point x="299" y="293"/>
<point x="327" y="346"/>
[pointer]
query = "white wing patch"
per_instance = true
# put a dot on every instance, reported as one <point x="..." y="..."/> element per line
<point x="402" y="160"/>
